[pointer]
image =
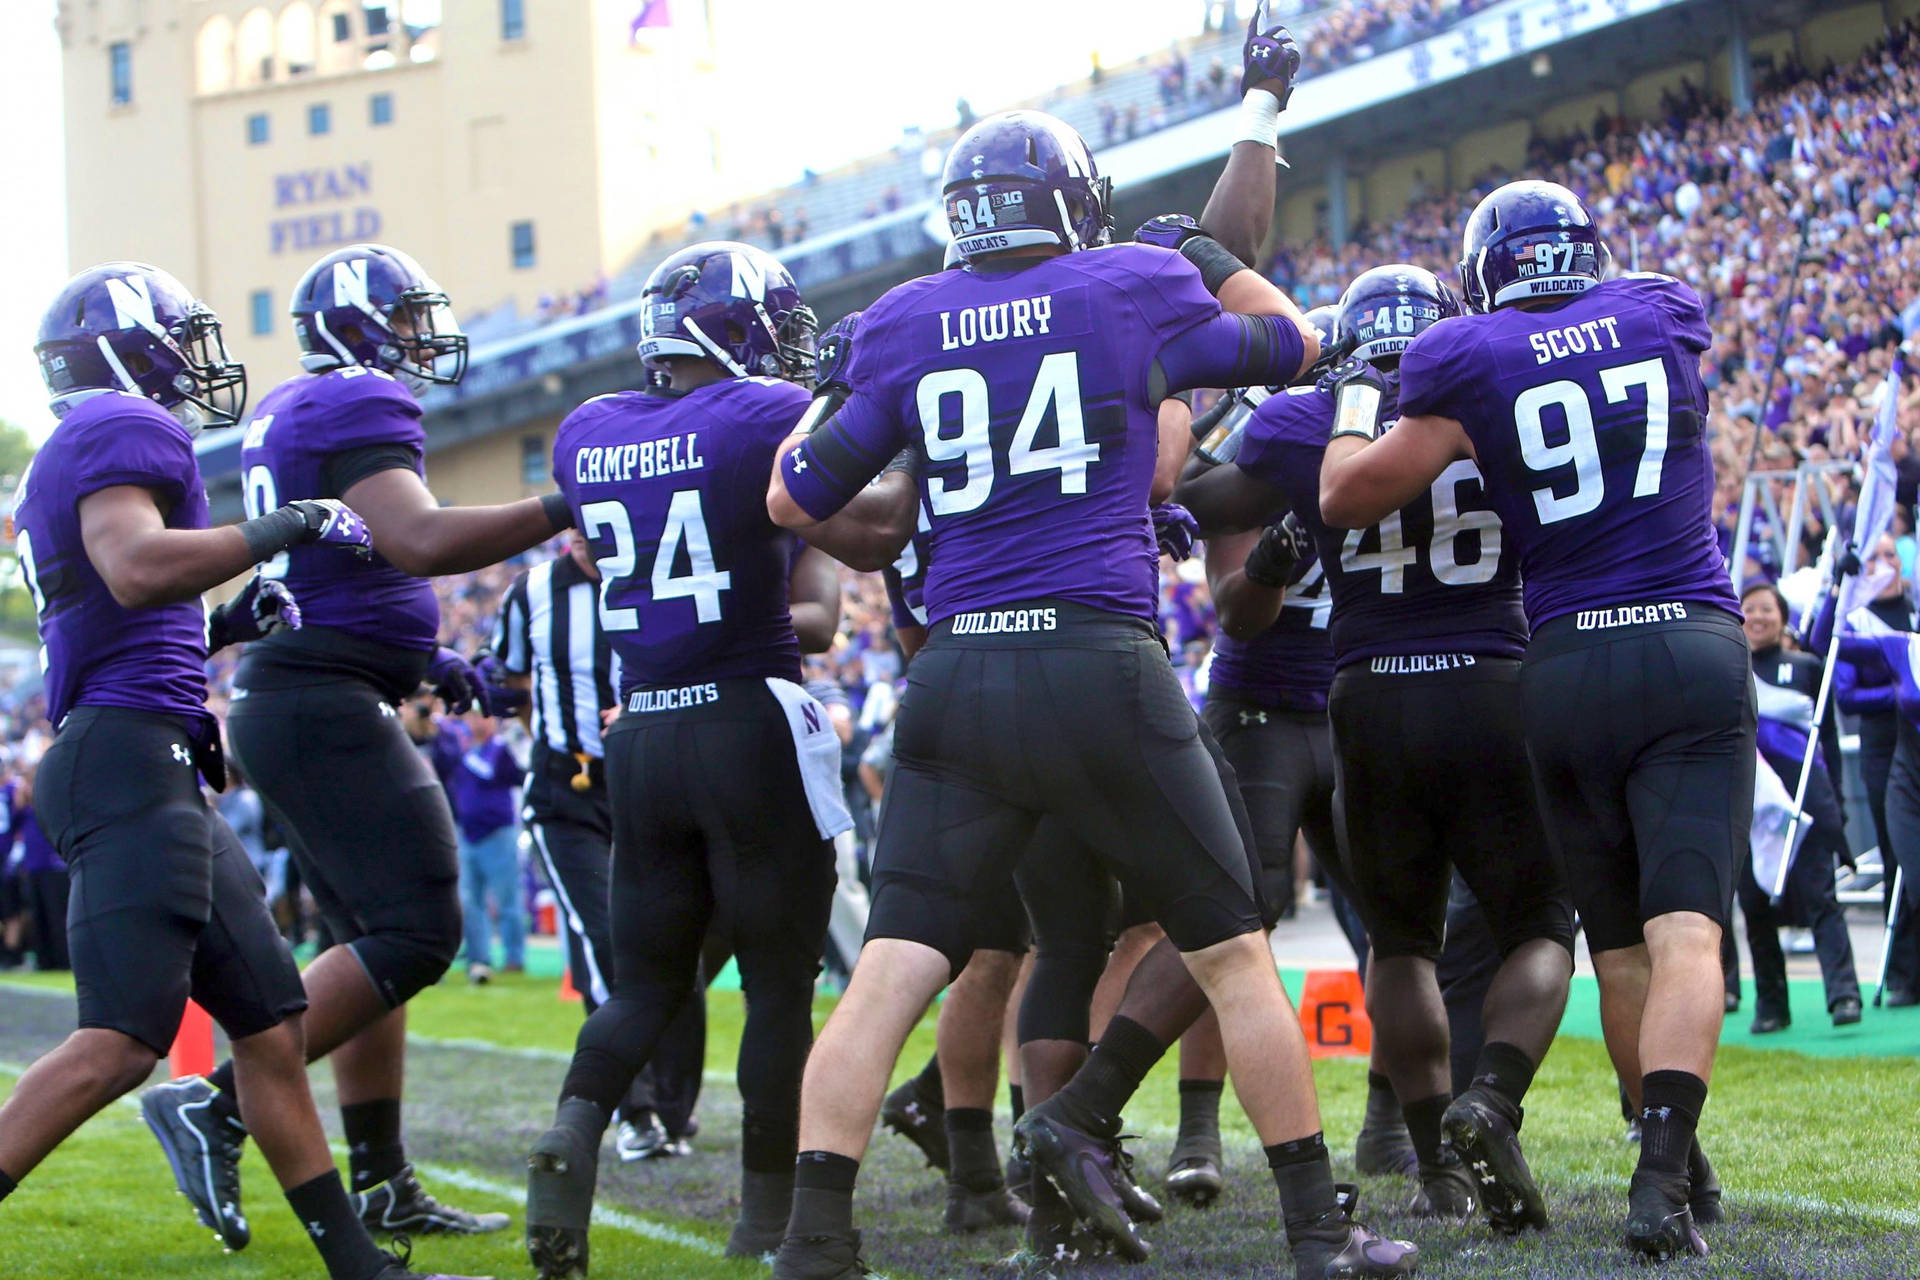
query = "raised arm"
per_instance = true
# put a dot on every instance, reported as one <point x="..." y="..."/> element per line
<point x="1240" y="210"/>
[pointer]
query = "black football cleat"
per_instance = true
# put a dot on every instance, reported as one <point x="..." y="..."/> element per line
<point x="1703" y="1189"/>
<point x="969" y="1211"/>
<point x="1446" y="1191"/>
<point x="1056" y="1238"/>
<point x="1659" y="1223"/>
<point x="203" y="1149"/>
<point x="1019" y="1173"/>
<point x="561" y="1171"/>
<point x="1139" y="1202"/>
<point x="1489" y="1143"/>
<point x="400" y="1205"/>
<point x="1084" y="1169"/>
<point x="1195" y="1180"/>
<point x="919" y="1120"/>
<point x="642" y="1138"/>
<point x="1338" y="1248"/>
<point x="819" y="1258"/>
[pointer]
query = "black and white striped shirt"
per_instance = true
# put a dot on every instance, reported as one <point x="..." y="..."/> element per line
<point x="549" y="629"/>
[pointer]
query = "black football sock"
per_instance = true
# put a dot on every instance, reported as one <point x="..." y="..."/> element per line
<point x="1100" y="1090"/>
<point x="823" y="1194"/>
<point x="929" y="1085"/>
<point x="226" y="1099"/>
<point x="374" y="1150"/>
<point x="1423" y="1126"/>
<point x="1383" y="1107"/>
<point x="1670" y="1106"/>
<point x="1017" y="1100"/>
<point x="324" y="1210"/>
<point x="1506" y="1072"/>
<point x="1304" y="1173"/>
<point x="7" y="1185"/>
<point x="1199" y="1115"/>
<point x="975" y="1159"/>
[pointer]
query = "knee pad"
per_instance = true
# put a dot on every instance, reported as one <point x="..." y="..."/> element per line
<point x="410" y="949"/>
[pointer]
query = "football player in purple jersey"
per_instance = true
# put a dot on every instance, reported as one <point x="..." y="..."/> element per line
<point x="111" y="531"/>
<point x="313" y="722"/>
<point x="1027" y="387"/>
<point x="723" y="773"/>
<point x="1427" y="633"/>
<point x="1580" y="400"/>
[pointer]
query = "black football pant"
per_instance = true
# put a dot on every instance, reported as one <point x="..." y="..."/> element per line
<point x="578" y="862"/>
<point x="712" y="829"/>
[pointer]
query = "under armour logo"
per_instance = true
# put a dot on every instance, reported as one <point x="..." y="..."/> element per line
<point x="1252" y="717"/>
<point x="799" y="464"/>
<point x="181" y="754"/>
<point x="315" y="1230"/>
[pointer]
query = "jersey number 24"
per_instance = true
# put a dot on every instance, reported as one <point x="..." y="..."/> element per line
<point x="685" y="524"/>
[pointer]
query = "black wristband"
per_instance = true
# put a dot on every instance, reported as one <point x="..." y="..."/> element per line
<point x="268" y="535"/>
<point x="558" y="512"/>
<point x="1216" y="262"/>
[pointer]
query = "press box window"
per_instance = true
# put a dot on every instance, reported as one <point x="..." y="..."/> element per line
<point x="533" y="461"/>
<point x="513" y="19"/>
<point x="258" y="129"/>
<point x="382" y="108"/>
<point x="319" y="119"/>
<point x="522" y="245"/>
<point x="260" y="302"/>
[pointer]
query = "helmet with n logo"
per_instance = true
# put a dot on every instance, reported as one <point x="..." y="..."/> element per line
<point x="732" y="304"/>
<point x="371" y="305"/>
<point x="126" y="326"/>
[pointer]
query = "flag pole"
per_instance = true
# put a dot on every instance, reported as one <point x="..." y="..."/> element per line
<point x="1886" y="943"/>
<point x="1779" y="886"/>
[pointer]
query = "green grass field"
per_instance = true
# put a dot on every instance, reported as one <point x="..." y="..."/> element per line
<point x="1820" y="1157"/>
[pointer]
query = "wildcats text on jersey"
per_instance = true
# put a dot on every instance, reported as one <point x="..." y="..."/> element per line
<point x="993" y="622"/>
<point x="614" y="463"/>
<point x="1629" y="615"/>
<point x="693" y="695"/>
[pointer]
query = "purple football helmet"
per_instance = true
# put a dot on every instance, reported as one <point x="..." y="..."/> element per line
<point x="1385" y="309"/>
<point x="1530" y="240"/>
<point x="126" y="326"/>
<point x="1024" y="178"/>
<point x="732" y="304"/>
<point x="370" y="305"/>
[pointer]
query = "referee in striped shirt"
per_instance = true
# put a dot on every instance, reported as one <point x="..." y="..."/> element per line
<point x="550" y="640"/>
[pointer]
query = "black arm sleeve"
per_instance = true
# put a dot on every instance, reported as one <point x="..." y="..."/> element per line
<point x="349" y="467"/>
<point x="1228" y="351"/>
